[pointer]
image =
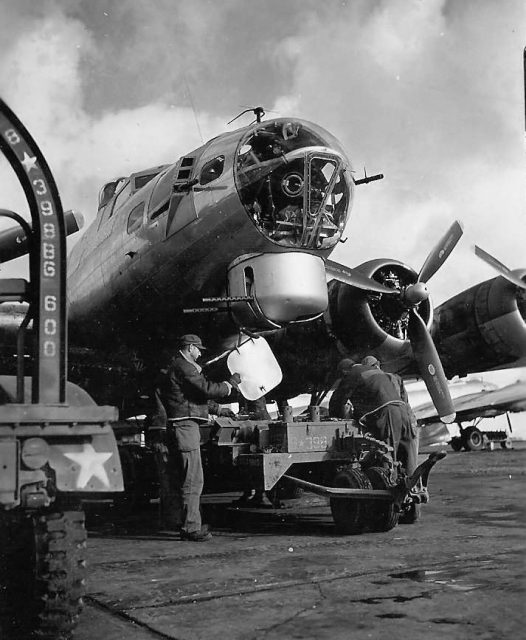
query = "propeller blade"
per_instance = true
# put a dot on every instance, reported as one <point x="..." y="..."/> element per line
<point x="498" y="266"/>
<point x="440" y="252"/>
<point x="430" y="367"/>
<point x="355" y="278"/>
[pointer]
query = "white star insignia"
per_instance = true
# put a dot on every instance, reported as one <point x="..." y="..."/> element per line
<point x="91" y="465"/>
<point x="29" y="162"/>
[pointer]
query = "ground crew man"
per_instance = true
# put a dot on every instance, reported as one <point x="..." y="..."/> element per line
<point x="378" y="405"/>
<point x="184" y="392"/>
<point x="409" y="438"/>
<point x="157" y="440"/>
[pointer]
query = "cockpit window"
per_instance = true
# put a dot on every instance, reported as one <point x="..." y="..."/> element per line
<point x="108" y="191"/>
<point x="121" y="197"/>
<point x="135" y="218"/>
<point x="212" y="170"/>
<point x="140" y="181"/>
<point x="294" y="184"/>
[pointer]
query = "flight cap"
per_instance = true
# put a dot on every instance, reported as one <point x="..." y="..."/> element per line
<point x="371" y="361"/>
<point x="191" y="338"/>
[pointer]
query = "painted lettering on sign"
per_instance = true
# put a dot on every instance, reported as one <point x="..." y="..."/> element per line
<point x="316" y="443"/>
<point x="46" y="214"/>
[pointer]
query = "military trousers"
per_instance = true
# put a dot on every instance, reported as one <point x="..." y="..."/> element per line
<point x="185" y="455"/>
<point x="170" y="503"/>
<point x="393" y="424"/>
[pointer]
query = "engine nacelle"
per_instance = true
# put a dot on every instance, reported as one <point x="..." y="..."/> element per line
<point x="370" y="323"/>
<point x="483" y="327"/>
<point x="13" y="242"/>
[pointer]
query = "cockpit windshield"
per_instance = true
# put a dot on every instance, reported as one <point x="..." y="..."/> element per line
<point x="294" y="181"/>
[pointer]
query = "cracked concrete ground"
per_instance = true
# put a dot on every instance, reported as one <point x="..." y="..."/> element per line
<point x="277" y="575"/>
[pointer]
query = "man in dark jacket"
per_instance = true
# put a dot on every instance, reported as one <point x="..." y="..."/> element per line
<point x="378" y="405"/>
<point x="184" y="392"/>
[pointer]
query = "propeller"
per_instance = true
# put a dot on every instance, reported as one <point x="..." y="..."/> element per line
<point x="423" y="347"/>
<point x="416" y="293"/>
<point x="422" y="344"/>
<point x="440" y="252"/>
<point x="430" y="367"/>
<point x="501" y="268"/>
<point x="355" y="278"/>
<point x="424" y="350"/>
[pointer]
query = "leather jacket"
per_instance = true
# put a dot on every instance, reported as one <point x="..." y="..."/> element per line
<point x="185" y="391"/>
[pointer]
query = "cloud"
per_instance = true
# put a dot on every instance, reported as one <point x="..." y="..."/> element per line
<point x="47" y="90"/>
<point x="428" y="93"/>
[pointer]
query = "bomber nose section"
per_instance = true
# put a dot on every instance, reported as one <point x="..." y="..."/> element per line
<point x="294" y="182"/>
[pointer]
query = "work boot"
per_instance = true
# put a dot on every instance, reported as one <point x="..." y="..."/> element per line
<point x="197" y="536"/>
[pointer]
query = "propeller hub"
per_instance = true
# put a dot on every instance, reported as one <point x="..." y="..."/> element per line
<point x="416" y="293"/>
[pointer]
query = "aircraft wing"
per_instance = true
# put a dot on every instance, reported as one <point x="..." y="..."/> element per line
<point x="483" y="404"/>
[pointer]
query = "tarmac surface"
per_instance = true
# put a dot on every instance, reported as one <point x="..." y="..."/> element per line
<point x="285" y="574"/>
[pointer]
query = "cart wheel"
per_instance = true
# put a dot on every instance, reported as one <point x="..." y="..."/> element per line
<point x="43" y="564"/>
<point x="473" y="439"/>
<point x="410" y="513"/>
<point x="456" y="443"/>
<point x="506" y="444"/>
<point x="349" y="514"/>
<point x="380" y="516"/>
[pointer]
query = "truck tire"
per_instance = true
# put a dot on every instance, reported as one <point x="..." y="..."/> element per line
<point x="473" y="439"/>
<point x="349" y="514"/>
<point x="43" y="558"/>
<point x="380" y="516"/>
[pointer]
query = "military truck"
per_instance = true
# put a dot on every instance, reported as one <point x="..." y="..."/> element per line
<point x="56" y="445"/>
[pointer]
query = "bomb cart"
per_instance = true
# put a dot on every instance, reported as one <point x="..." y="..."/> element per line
<point x="367" y="487"/>
<point x="270" y="460"/>
<point x="56" y="444"/>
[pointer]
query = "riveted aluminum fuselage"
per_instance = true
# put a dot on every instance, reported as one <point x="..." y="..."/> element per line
<point x="131" y="278"/>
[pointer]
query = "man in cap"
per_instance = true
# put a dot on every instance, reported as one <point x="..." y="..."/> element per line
<point x="408" y="445"/>
<point x="380" y="403"/>
<point x="185" y="393"/>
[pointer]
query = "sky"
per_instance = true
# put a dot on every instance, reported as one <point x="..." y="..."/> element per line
<point x="428" y="92"/>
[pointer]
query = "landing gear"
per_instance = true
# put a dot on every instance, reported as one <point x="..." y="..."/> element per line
<point x="350" y="515"/>
<point x="42" y="558"/>
<point x="473" y="439"/>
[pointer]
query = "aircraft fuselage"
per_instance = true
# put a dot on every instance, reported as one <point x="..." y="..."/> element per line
<point x="164" y="238"/>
